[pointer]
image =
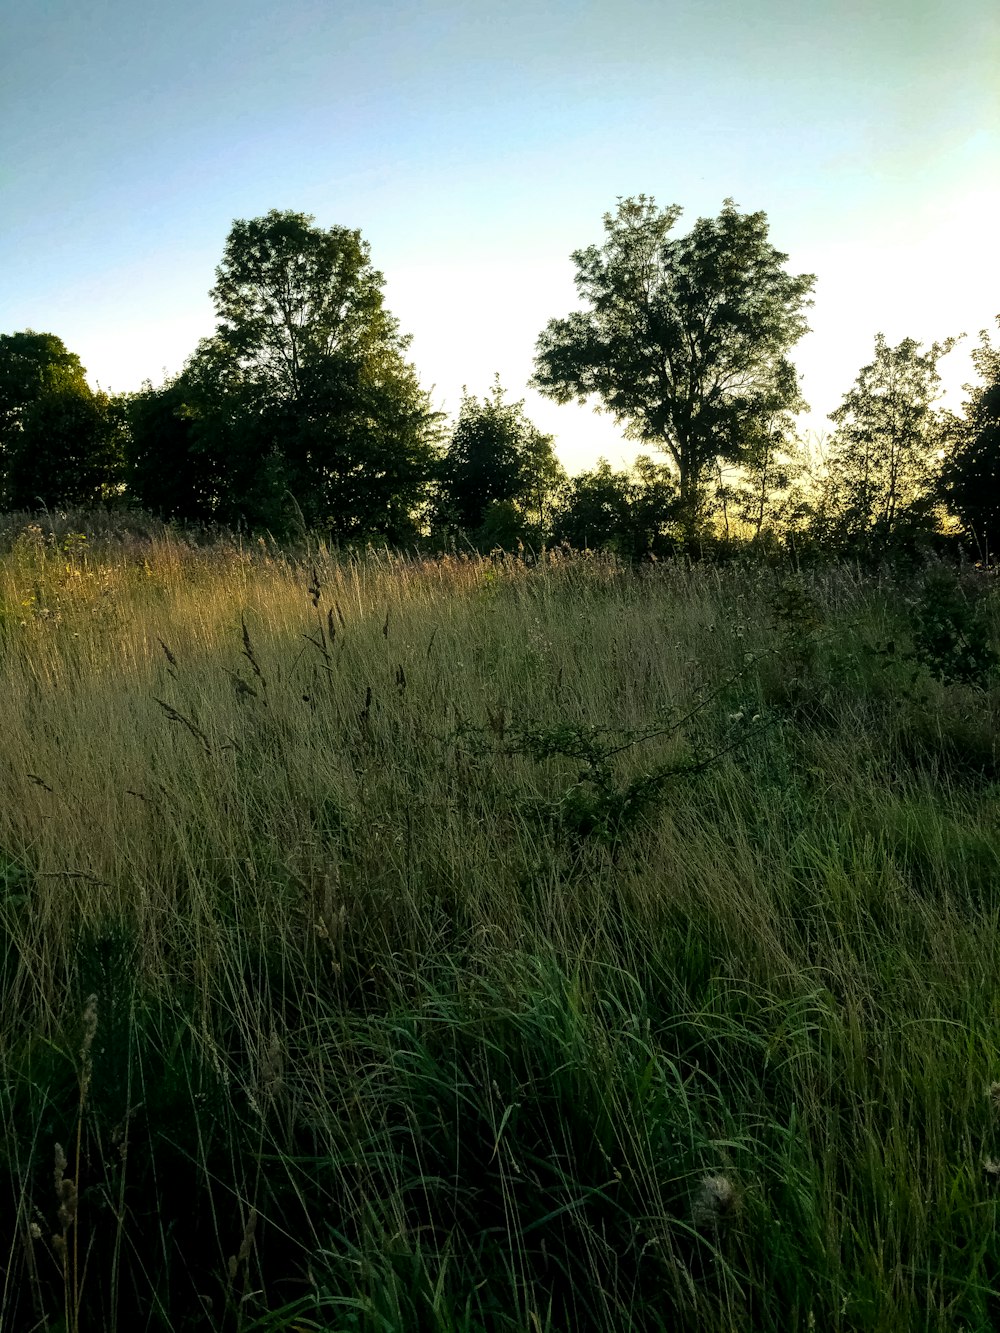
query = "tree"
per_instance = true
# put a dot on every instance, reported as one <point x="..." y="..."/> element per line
<point x="633" y="512"/>
<point x="303" y="399"/>
<point x="685" y="338"/>
<point x="168" y="470"/>
<point x="766" y="495"/>
<point x="596" y="512"/>
<point x="32" y="365"/>
<point x="497" y="460"/>
<point x="970" y="478"/>
<point x="60" y="443"/>
<point x="884" y="449"/>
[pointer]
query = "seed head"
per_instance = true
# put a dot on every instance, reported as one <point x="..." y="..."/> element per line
<point x="714" y="1201"/>
<point x="60" y="1167"/>
<point x="89" y="1031"/>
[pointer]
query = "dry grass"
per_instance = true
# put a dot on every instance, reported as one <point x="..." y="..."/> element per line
<point x="399" y="1028"/>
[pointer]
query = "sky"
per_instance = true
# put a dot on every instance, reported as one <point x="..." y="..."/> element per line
<point x="476" y="145"/>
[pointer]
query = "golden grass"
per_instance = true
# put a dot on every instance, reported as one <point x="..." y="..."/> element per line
<point x="462" y="1061"/>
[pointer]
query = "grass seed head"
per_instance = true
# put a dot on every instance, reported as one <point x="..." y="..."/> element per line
<point x="714" y="1201"/>
<point x="65" y="1190"/>
<point x="89" y="1032"/>
<point x="60" y="1168"/>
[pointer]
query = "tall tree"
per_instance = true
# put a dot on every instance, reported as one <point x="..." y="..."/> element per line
<point x="496" y="456"/>
<point x="289" y="296"/>
<point x="970" y="478"/>
<point x="685" y="339"/>
<point x="60" y="443"/>
<point x="884" y="449"/>
<point x="303" y="398"/>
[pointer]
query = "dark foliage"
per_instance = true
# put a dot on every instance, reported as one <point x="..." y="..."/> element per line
<point x="60" y="443"/>
<point x="499" y="476"/>
<point x="301" y="409"/>
<point x="635" y="514"/>
<point x="880" y="491"/>
<point x="685" y="339"/>
<point x="970" y="482"/>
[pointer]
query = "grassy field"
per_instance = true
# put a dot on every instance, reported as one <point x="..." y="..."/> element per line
<point x="469" y="944"/>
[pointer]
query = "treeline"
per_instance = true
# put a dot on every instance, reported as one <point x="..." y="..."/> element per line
<point x="302" y="410"/>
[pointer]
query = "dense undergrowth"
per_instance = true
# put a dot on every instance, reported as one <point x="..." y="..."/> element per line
<point x="469" y="944"/>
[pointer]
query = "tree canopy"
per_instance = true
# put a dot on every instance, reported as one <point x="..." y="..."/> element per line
<point x="302" y="409"/>
<point x="60" y="443"/>
<point x="169" y="468"/>
<point x="497" y="457"/>
<point x="32" y="365"/>
<point x="632" y="512"/>
<point x="971" y="473"/>
<point x="290" y="296"/>
<point x="303" y="398"/>
<point x="685" y="339"/>
<point x="888" y="433"/>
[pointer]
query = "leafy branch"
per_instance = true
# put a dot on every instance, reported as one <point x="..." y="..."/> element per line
<point x="601" y="804"/>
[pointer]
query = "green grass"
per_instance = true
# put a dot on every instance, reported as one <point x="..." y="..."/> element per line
<point x="489" y="946"/>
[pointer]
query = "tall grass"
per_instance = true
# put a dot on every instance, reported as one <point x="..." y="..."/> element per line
<point x="398" y="944"/>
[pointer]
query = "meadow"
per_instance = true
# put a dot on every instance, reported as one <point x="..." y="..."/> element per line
<point x="522" y="944"/>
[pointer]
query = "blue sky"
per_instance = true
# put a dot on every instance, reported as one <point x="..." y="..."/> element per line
<point x="476" y="145"/>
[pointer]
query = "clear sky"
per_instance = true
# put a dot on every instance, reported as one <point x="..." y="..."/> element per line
<point x="476" y="144"/>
